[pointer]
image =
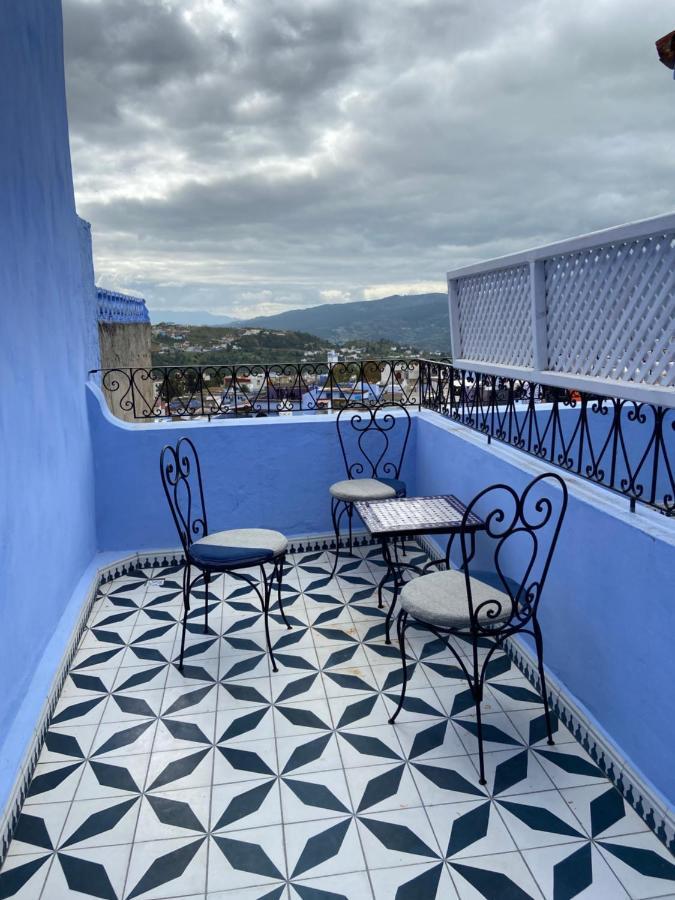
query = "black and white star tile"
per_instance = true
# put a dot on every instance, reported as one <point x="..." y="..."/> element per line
<point x="228" y="781"/>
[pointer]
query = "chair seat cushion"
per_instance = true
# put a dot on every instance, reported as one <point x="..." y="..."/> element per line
<point x="362" y="489"/>
<point x="440" y="599"/>
<point x="238" y="547"/>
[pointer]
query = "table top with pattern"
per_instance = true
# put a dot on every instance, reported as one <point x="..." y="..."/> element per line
<point x="441" y="513"/>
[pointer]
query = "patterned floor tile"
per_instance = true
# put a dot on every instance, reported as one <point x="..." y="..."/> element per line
<point x="429" y="739"/>
<point x="93" y="872"/>
<point x="642" y="864"/>
<point x="167" y="869"/>
<point x="23" y="877"/>
<point x="314" y="796"/>
<point x="503" y="875"/>
<point x="174" y="813"/>
<point x="229" y="781"/>
<point x="242" y="859"/>
<point x="472" y="828"/>
<point x="538" y="820"/>
<point x="380" y="788"/>
<point x="96" y="823"/>
<point x="430" y="881"/>
<point x="515" y="771"/>
<point x="304" y="754"/>
<point x="574" y="870"/>
<point x="398" y="837"/>
<point x="446" y="780"/>
<point x="331" y="848"/>
<point x="246" y="804"/>
<point x="602" y="811"/>
<point x="39" y="828"/>
<point x="113" y="777"/>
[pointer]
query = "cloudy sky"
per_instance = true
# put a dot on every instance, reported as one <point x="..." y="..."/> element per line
<point x="251" y="156"/>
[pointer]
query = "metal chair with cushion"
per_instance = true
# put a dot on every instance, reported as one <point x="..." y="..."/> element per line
<point x="222" y="551"/>
<point x="373" y="442"/>
<point x="496" y="590"/>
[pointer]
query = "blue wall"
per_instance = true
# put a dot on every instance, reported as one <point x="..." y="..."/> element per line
<point x="607" y="612"/>
<point x="270" y="472"/>
<point x="48" y="332"/>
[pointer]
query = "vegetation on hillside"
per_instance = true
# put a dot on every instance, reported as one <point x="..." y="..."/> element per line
<point x="185" y="345"/>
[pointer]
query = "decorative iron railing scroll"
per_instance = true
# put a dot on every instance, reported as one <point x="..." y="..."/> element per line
<point x="164" y="392"/>
<point x="623" y="445"/>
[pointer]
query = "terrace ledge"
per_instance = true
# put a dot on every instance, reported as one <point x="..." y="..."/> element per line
<point x="650" y="521"/>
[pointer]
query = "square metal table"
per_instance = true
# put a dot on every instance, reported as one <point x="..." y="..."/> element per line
<point x="406" y="517"/>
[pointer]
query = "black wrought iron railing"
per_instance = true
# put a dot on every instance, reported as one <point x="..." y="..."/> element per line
<point x="224" y="391"/>
<point x="624" y="445"/>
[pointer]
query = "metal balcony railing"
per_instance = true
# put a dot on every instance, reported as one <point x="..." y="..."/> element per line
<point x="624" y="445"/>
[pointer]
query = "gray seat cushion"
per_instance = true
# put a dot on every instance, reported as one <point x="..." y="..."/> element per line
<point x="238" y="547"/>
<point x="362" y="489"/>
<point x="440" y="599"/>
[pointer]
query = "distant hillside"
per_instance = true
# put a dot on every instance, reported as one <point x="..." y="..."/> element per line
<point x="188" y="317"/>
<point x="421" y="320"/>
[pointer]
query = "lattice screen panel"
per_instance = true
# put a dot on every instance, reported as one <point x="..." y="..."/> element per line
<point x="611" y="311"/>
<point x="494" y="317"/>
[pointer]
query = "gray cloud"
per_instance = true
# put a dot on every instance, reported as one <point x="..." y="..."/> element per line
<point x="245" y="156"/>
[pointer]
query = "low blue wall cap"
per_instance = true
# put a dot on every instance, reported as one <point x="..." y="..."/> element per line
<point x="116" y="307"/>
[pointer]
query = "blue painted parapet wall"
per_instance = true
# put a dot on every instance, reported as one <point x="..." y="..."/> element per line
<point x="260" y="472"/>
<point x="113" y="306"/>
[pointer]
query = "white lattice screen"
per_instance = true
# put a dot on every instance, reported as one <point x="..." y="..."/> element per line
<point x="611" y="311"/>
<point x="594" y="310"/>
<point x="494" y="316"/>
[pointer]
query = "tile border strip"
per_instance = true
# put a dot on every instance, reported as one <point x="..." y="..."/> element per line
<point x="608" y="758"/>
<point x="17" y="796"/>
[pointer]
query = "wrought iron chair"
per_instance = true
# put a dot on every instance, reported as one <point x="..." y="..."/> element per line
<point x="367" y="439"/>
<point x="221" y="551"/>
<point x="479" y="602"/>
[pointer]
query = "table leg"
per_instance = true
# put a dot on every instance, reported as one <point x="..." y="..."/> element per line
<point x="394" y="570"/>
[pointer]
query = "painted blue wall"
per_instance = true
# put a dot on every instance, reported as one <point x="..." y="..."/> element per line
<point x="48" y="334"/>
<point x="270" y="472"/>
<point x="607" y="612"/>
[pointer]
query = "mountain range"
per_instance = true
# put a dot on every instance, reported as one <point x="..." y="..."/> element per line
<point x="419" y="320"/>
<point x="414" y="320"/>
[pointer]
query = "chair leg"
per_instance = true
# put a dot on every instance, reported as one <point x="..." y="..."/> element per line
<point x="207" y="581"/>
<point x="350" y="513"/>
<point x="186" y="609"/>
<point x="267" y="591"/>
<point x="476" y="690"/>
<point x="539" y="641"/>
<point x="400" y="631"/>
<point x="334" y="506"/>
<point x="394" y="569"/>
<point x="279" y="572"/>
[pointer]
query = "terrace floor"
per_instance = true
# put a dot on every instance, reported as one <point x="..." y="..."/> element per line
<point x="233" y="782"/>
